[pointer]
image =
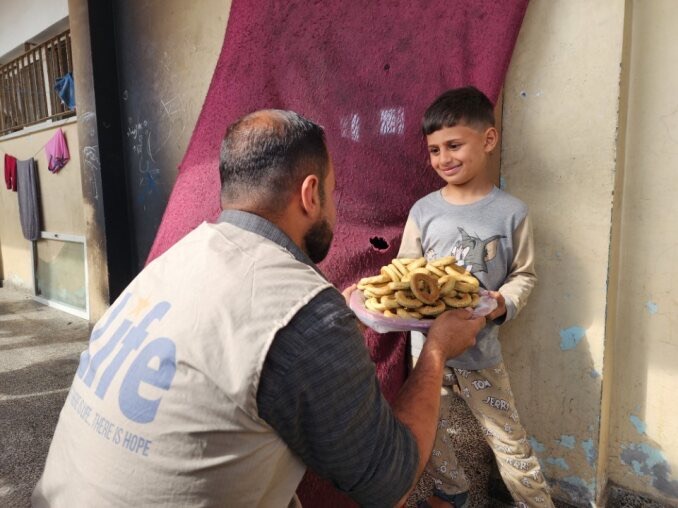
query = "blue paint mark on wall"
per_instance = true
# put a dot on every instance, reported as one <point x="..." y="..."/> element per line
<point x="536" y="445"/>
<point x="640" y="425"/>
<point x="590" y="451"/>
<point x="579" y="489"/>
<point x="559" y="462"/>
<point x="651" y="307"/>
<point x="594" y="373"/>
<point x="567" y="441"/>
<point x="570" y="337"/>
<point x="648" y="461"/>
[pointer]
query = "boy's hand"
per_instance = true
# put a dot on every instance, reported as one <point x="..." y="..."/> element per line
<point x="501" y="306"/>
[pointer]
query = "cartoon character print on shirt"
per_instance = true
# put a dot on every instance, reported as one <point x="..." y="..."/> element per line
<point x="473" y="253"/>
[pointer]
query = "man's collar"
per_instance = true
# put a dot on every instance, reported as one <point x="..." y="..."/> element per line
<point x="263" y="227"/>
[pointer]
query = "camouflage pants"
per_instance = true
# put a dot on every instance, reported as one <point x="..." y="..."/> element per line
<point x="488" y="394"/>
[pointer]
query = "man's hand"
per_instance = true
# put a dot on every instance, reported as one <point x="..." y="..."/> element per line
<point x="501" y="305"/>
<point x="346" y="293"/>
<point x="454" y="331"/>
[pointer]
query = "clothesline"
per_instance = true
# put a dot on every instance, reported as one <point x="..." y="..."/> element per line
<point x="31" y="157"/>
<point x="56" y="150"/>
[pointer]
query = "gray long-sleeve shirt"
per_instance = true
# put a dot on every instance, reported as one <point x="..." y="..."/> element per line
<point x="491" y="238"/>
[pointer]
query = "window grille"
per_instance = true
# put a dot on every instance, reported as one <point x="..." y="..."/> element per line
<point x="27" y="94"/>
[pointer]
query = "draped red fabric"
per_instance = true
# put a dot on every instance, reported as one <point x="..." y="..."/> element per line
<point x="365" y="70"/>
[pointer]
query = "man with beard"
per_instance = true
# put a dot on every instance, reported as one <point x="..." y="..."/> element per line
<point x="230" y="364"/>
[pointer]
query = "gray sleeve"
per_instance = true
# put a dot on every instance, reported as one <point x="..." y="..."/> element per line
<point x="320" y="392"/>
<point x="410" y="245"/>
<point x="523" y="276"/>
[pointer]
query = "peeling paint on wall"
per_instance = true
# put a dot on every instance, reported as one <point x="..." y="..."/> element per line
<point x="651" y="307"/>
<point x="640" y="425"/>
<point x="536" y="445"/>
<point x="648" y="461"/>
<point x="558" y="462"/>
<point x="590" y="451"/>
<point x="567" y="441"/>
<point x="570" y="337"/>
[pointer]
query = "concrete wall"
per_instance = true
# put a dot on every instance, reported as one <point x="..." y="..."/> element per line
<point x="590" y="136"/>
<point x="22" y="20"/>
<point x="643" y="440"/>
<point x="167" y="51"/>
<point x="60" y="200"/>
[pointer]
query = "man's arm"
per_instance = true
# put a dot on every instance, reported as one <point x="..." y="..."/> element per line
<point x="319" y="391"/>
<point x="418" y="402"/>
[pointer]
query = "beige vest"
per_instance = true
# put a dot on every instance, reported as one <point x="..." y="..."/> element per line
<point x="163" y="408"/>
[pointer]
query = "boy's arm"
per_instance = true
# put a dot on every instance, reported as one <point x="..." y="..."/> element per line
<point x="522" y="277"/>
<point x="410" y="245"/>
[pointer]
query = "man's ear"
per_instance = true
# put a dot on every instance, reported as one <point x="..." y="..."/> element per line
<point x="310" y="195"/>
<point x="491" y="139"/>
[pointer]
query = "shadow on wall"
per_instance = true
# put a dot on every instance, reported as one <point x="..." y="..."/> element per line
<point x="642" y="456"/>
<point x="546" y="350"/>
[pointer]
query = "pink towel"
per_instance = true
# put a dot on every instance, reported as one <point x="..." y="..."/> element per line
<point x="365" y="71"/>
<point x="56" y="151"/>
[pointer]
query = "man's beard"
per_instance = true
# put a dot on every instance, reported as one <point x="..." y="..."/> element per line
<point x="317" y="240"/>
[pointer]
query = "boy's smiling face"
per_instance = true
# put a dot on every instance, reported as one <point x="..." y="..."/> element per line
<point x="459" y="154"/>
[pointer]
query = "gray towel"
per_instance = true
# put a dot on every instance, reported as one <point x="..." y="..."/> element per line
<point x="27" y="188"/>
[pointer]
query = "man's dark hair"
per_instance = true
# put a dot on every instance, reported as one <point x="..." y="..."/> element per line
<point x="265" y="155"/>
<point x="466" y="106"/>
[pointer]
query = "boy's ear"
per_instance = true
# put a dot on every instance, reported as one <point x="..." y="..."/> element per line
<point x="491" y="139"/>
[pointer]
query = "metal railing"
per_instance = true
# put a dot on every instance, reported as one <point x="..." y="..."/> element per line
<point x="27" y="94"/>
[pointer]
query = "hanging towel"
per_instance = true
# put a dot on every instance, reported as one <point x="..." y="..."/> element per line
<point x="10" y="172"/>
<point x="56" y="151"/>
<point x="27" y="187"/>
<point x="65" y="89"/>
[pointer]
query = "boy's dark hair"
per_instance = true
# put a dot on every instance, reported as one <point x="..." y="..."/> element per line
<point x="265" y="155"/>
<point x="467" y="106"/>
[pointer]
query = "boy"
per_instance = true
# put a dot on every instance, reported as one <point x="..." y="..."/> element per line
<point x="489" y="233"/>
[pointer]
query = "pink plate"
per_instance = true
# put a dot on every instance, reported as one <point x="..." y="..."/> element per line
<point x="382" y="324"/>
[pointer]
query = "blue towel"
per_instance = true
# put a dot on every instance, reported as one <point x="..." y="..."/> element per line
<point x="65" y="88"/>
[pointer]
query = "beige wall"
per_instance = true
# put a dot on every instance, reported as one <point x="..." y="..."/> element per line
<point x="60" y="201"/>
<point x="643" y="438"/>
<point x="594" y="356"/>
